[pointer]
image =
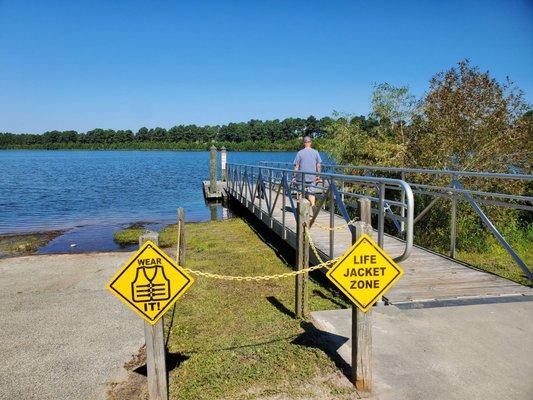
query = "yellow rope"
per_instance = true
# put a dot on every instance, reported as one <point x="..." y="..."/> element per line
<point x="322" y="264"/>
<point x="336" y="228"/>
<point x="313" y="247"/>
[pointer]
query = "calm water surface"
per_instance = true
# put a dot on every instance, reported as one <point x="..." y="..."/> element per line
<point x="90" y="193"/>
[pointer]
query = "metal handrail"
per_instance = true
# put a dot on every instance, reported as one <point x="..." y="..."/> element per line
<point x="417" y="170"/>
<point x="455" y="192"/>
<point x="246" y="181"/>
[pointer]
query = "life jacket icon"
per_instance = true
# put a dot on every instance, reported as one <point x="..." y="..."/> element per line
<point x="150" y="284"/>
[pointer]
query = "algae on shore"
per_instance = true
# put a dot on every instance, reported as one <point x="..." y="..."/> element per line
<point x="25" y="244"/>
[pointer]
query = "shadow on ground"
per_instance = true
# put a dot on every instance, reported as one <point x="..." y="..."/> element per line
<point x="327" y="342"/>
<point x="173" y="361"/>
<point x="280" y="306"/>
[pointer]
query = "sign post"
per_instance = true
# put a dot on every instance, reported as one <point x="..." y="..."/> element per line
<point x="364" y="273"/>
<point x="155" y="346"/>
<point x="150" y="283"/>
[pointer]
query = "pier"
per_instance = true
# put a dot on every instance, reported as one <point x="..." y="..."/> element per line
<point x="270" y="195"/>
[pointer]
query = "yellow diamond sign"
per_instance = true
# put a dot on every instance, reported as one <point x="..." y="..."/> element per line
<point x="150" y="282"/>
<point x="364" y="273"/>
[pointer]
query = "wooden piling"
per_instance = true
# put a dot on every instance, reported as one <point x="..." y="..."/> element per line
<point x="223" y="163"/>
<point x="213" y="170"/>
<point x="155" y="346"/>
<point x="181" y="238"/>
<point x="361" y="321"/>
<point x="301" y="280"/>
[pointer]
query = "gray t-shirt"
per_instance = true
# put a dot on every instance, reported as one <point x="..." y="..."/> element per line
<point x="307" y="158"/>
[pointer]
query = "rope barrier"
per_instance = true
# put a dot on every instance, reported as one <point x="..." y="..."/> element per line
<point x="335" y="228"/>
<point x="313" y="247"/>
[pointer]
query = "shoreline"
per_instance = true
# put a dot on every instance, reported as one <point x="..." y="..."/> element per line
<point x="24" y="244"/>
<point x="59" y="241"/>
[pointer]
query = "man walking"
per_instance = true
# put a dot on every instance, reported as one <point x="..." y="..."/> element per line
<point x="308" y="159"/>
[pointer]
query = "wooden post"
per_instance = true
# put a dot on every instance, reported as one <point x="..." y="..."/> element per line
<point x="362" y="322"/>
<point x="155" y="347"/>
<point x="213" y="170"/>
<point x="213" y="211"/>
<point x="223" y="163"/>
<point x="301" y="295"/>
<point x="181" y="238"/>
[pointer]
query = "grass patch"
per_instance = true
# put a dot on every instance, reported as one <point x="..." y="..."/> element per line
<point x="19" y="245"/>
<point x="238" y="340"/>
<point x="497" y="261"/>
<point x="130" y="235"/>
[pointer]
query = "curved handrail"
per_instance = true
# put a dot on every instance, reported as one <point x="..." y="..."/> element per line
<point x="239" y="171"/>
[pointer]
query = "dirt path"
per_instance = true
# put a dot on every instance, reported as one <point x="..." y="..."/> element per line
<point x="63" y="334"/>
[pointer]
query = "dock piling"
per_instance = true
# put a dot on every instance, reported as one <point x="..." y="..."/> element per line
<point x="223" y="162"/>
<point x="213" y="170"/>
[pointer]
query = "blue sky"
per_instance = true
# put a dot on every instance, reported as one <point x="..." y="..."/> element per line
<point x="126" y="64"/>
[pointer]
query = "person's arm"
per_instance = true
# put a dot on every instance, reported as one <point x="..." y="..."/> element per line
<point x="296" y="161"/>
<point x="296" y="164"/>
<point x="318" y="166"/>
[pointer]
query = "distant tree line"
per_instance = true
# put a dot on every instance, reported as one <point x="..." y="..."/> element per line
<point x="252" y="135"/>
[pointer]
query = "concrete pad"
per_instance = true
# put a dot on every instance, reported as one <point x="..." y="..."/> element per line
<point x="63" y="335"/>
<point x="482" y="351"/>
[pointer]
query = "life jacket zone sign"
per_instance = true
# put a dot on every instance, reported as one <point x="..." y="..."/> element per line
<point x="150" y="282"/>
<point x="364" y="273"/>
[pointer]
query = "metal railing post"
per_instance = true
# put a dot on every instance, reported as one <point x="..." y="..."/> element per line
<point x="245" y="181"/>
<point x="453" y="221"/>
<point x="270" y="190"/>
<point x="283" y="204"/>
<point x="381" y="215"/>
<point x="260" y="190"/>
<point x="402" y="199"/>
<point x="331" y="221"/>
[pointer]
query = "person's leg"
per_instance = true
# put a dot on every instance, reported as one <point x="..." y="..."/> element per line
<point x="310" y="193"/>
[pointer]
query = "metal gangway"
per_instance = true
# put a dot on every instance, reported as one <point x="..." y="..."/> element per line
<point x="269" y="192"/>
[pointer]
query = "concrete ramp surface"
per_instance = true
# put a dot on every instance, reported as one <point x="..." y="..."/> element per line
<point x="63" y="334"/>
<point x="474" y="352"/>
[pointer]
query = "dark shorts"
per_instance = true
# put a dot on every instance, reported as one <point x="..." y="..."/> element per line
<point x="309" y="190"/>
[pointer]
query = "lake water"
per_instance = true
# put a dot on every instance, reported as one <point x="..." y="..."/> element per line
<point x="91" y="193"/>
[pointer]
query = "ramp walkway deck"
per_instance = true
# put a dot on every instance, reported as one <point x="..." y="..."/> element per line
<point x="428" y="276"/>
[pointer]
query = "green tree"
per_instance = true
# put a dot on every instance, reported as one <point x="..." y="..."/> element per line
<point x="393" y="108"/>
<point x="470" y="121"/>
<point x="142" y="135"/>
<point x="350" y="143"/>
